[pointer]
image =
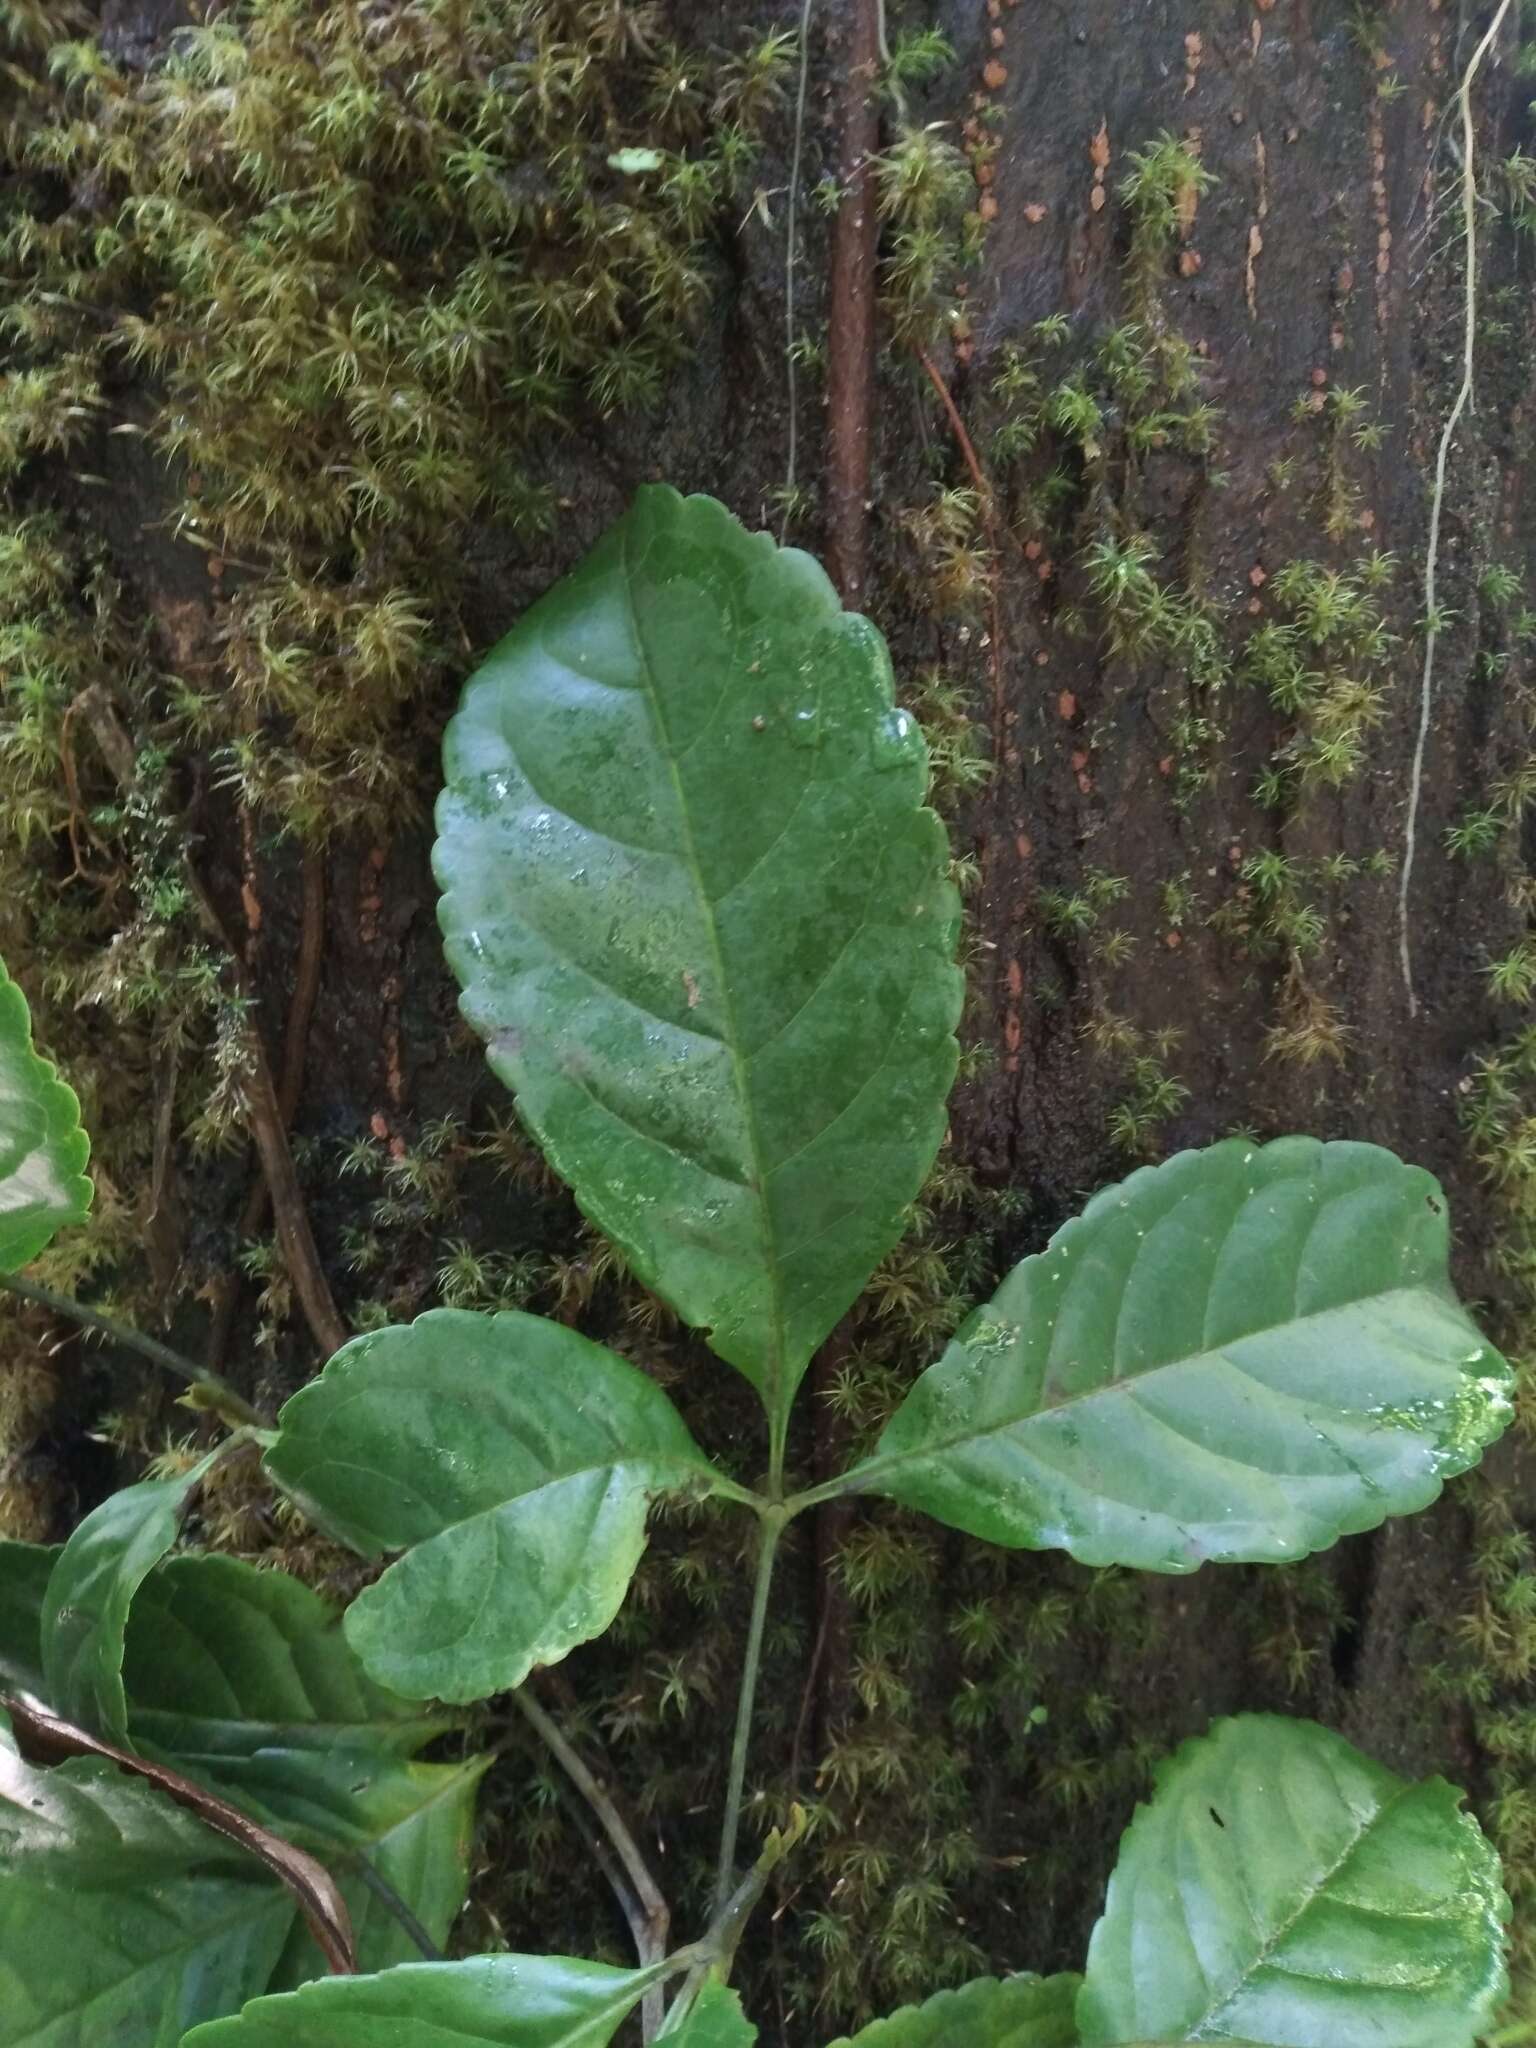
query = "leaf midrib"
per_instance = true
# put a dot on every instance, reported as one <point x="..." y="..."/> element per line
<point x="695" y="1467"/>
<point x="937" y="1447"/>
<point x="285" y="1735"/>
<point x="775" y="1360"/>
<point x="1278" y="1936"/>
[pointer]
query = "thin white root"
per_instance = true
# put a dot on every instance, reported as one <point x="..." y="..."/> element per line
<point x="1437" y="500"/>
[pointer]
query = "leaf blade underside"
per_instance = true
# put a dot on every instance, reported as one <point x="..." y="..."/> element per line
<point x="512" y="1462"/>
<point x="1281" y="1887"/>
<point x="1239" y="1355"/>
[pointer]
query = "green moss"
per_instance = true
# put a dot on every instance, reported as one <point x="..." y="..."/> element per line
<point x="357" y="275"/>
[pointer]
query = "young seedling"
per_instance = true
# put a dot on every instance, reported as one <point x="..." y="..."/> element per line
<point x="702" y="919"/>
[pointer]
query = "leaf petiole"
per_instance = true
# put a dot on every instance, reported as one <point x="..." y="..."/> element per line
<point x="214" y="1392"/>
<point x="834" y="1488"/>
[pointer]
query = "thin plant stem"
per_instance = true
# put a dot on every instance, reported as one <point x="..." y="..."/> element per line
<point x="657" y="1913"/>
<point x="717" y="1949"/>
<point x="829" y="1489"/>
<point x="653" y="2004"/>
<point x="778" y="1438"/>
<point x="396" y="1907"/>
<point x="233" y="1407"/>
<point x="773" y="1522"/>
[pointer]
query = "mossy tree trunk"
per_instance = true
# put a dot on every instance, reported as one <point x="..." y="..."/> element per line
<point x="1193" y="292"/>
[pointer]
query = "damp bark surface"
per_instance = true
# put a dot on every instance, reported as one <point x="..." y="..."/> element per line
<point x="1322" y="257"/>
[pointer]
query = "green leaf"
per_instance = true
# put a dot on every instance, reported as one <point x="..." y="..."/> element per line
<point x="243" y="1680"/>
<point x="43" y="1151"/>
<point x="90" y="1591"/>
<point x="512" y="1461"/>
<point x="490" y="2002"/>
<point x="701" y="917"/>
<point x="716" y="2021"/>
<point x="991" y="2012"/>
<point x="24" y="1572"/>
<point x="123" y="1919"/>
<point x="1283" y="1888"/>
<point x="1239" y="1355"/>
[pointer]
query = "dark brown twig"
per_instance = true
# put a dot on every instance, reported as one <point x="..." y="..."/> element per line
<point x="850" y="427"/>
<point x="269" y="1129"/>
<point x="851" y="319"/>
<point x="289" y="1215"/>
<point x="306" y="982"/>
<point x="290" y="1087"/>
<point x="988" y="506"/>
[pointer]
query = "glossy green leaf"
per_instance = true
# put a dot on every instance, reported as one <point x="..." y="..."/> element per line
<point x="90" y="1592"/>
<point x="512" y="1462"/>
<point x="24" y="1574"/>
<point x="243" y="1680"/>
<point x="123" y="1920"/>
<point x="1240" y="1355"/>
<point x="1281" y="1887"/>
<point x="701" y="917"/>
<point x="490" y="2002"/>
<point x="991" y="2012"/>
<point x="716" y="2021"/>
<point x="43" y="1151"/>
